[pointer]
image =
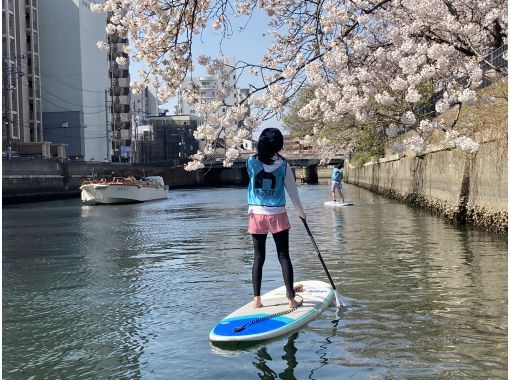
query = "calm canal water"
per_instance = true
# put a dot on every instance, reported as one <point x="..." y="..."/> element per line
<point x="132" y="291"/>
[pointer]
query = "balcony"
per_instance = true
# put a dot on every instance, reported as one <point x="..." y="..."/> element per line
<point x="121" y="118"/>
<point x="116" y="39"/>
<point x="119" y="91"/>
<point x="118" y="73"/>
<point x="121" y="100"/>
<point x="30" y="22"/>
<point x="115" y="65"/>
<point x="122" y="125"/>
<point x="115" y="52"/>
<point x="120" y="108"/>
<point x="208" y="85"/>
<point x="124" y="134"/>
<point x="120" y="82"/>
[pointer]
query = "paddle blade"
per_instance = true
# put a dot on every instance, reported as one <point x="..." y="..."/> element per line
<point x="338" y="300"/>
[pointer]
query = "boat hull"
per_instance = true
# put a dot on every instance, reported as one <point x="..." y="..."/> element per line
<point x="119" y="193"/>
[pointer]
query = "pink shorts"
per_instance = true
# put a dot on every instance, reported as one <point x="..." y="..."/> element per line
<point x="262" y="224"/>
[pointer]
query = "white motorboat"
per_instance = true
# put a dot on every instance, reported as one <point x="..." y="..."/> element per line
<point x="123" y="190"/>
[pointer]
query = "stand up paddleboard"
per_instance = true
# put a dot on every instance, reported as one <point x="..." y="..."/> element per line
<point x="275" y="318"/>
<point x="338" y="204"/>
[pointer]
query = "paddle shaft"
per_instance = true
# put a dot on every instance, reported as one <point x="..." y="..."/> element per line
<point x="319" y="254"/>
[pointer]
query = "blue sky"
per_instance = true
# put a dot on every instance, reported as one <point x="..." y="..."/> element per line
<point x="248" y="45"/>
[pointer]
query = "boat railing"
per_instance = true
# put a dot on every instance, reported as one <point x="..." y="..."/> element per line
<point x="125" y="181"/>
<point x="145" y="181"/>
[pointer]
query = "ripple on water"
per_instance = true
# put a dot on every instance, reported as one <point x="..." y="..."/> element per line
<point x="132" y="291"/>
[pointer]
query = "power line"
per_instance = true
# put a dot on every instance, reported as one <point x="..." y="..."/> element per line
<point x="67" y="84"/>
<point x="64" y="109"/>
<point x="76" y="126"/>
<point x="75" y="137"/>
<point x="67" y="101"/>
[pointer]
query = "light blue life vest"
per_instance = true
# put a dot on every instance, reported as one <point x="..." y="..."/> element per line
<point x="266" y="189"/>
<point x="338" y="174"/>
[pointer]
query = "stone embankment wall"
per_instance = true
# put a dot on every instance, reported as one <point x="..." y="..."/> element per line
<point x="37" y="179"/>
<point x="462" y="187"/>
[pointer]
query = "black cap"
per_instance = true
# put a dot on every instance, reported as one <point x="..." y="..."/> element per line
<point x="270" y="141"/>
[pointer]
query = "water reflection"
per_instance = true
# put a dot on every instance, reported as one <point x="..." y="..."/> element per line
<point x="269" y="368"/>
<point x="264" y="359"/>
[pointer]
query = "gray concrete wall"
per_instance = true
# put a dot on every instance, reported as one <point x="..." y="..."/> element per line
<point x="31" y="177"/>
<point x="36" y="179"/>
<point x="462" y="187"/>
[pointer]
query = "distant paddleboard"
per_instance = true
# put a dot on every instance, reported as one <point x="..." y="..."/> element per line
<point x="273" y="319"/>
<point x="338" y="204"/>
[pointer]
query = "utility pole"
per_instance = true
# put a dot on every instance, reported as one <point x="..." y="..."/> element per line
<point x="108" y="158"/>
<point x="134" y="142"/>
<point x="7" y="106"/>
<point x="10" y="74"/>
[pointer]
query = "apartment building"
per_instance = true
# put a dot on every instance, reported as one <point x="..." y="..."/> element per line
<point x="119" y="99"/>
<point x="209" y="85"/>
<point x="21" y="77"/>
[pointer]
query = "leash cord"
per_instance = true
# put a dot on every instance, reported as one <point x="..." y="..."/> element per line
<point x="269" y="316"/>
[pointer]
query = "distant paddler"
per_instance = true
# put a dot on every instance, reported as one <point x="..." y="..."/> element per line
<point x="336" y="181"/>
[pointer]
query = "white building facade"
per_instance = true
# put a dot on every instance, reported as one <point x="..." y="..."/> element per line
<point x="74" y="76"/>
<point x="145" y="104"/>
<point x="209" y="86"/>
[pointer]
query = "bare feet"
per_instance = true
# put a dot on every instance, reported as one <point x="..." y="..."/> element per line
<point x="294" y="303"/>
<point x="298" y="288"/>
<point x="257" y="302"/>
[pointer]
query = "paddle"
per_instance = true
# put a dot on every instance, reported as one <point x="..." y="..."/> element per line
<point x="338" y="300"/>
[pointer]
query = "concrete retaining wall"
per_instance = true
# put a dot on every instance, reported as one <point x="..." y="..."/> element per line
<point x="462" y="187"/>
<point x="36" y="179"/>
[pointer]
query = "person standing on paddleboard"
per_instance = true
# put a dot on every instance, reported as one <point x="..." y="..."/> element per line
<point x="336" y="181"/>
<point x="270" y="175"/>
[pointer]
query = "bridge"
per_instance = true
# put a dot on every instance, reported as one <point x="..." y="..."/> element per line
<point x="304" y="166"/>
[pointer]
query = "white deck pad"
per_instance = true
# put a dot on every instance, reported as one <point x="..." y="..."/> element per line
<point x="317" y="296"/>
<point x="338" y="204"/>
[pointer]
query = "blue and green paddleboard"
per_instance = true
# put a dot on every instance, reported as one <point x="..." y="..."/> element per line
<point x="275" y="318"/>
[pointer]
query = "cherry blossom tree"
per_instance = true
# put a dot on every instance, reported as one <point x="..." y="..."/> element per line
<point x="367" y="59"/>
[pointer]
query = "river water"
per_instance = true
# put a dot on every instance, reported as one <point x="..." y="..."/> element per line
<point x="132" y="291"/>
